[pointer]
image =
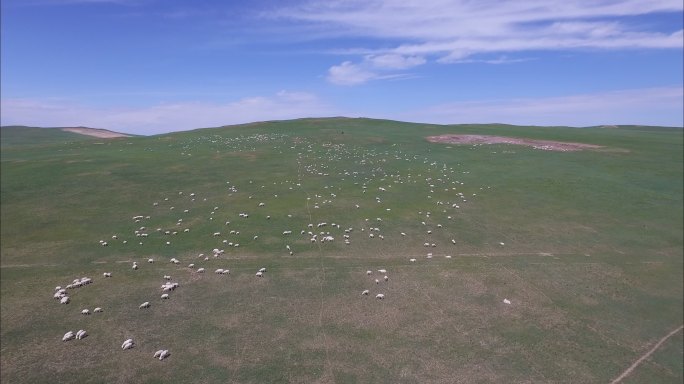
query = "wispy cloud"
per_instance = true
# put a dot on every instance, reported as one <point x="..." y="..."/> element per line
<point x="166" y="117"/>
<point x="373" y="67"/>
<point x="650" y="106"/>
<point x="452" y="30"/>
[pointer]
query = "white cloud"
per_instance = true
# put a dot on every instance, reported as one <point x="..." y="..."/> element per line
<point x="348" y="73"/>
<point x="394" y="61"/>
<point x="372" y="67"/>
<point x="166" y="117"/>
<point x="452" y="30"/>
<point x="650" y="106"/>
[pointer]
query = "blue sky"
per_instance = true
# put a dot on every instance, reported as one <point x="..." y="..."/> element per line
<point x="153" y="66"/>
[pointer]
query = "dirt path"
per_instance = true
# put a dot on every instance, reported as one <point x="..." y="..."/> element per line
<point x="645" y="356"/>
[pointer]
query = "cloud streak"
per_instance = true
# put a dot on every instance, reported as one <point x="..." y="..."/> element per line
<point x="166" y="117"/>
<point x="650" y="106"/>
<point x="452" y="30"/>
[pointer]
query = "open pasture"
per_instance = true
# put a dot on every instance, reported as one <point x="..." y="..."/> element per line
<point x="586" y="247"/>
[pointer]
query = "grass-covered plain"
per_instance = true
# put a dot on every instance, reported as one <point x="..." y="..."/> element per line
<point x="591" y="261"/>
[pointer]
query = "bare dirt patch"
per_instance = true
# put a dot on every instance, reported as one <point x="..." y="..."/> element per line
<point x="546" y="145"/>
<point x="96" y="132"/>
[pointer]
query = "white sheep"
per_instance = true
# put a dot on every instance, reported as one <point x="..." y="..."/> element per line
<point x="144" y="305"/>
<point x="382" y="270"/>
<point x="135" y="266"/>
<point x="81" y="334"/>
<point x="506" y="301"/>
<point x="386" y="278"/>
<point x="167" y="277"/>
<point x="377" y="281"/>
<point x="68" y="336"/>
<point x="128" y="344"/>
<point x="369" y="272"/>
<point x="380" y="296"/>
<point x="97" y="310"/>
<point x="85" y="312"/>
<point x="164" y="354"/>
<point x="165" y="296"/>
<point x="262" y="270"/>
<point x="158" y="353"/>
<point x="219" y="271"/>
<point x="200" y="270"/>
<point x="365" y="292"/>
<point x="226" y="271"/>
<point x="191" y="265"/>
<point x="412" y="260"/>
<point x="150" y="260"/>
<point x="64" y="300"/>
<point x="259" y="274"/>
<point x="107" y="274"/>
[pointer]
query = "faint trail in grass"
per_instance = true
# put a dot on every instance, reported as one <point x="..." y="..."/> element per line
<point x="527" y="283"/>
<point x="645" y="356"/>
<point x="321" y="269"/>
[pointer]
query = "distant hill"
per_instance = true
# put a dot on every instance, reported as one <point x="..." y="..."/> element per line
<point x="18" y="135"/>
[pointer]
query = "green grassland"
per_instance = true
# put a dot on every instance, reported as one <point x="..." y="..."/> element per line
<point x="592" y="258"/>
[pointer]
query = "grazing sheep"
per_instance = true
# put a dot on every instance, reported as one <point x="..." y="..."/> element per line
<point x="165" y="296"/>
<point x="85" y="312"/>
<point x="259" y="274"/>
<point x="68" y="336"/>
<point x="167" y="277"/>
<point x="200" y="270"/>
<point x="501" y="243"/>
<point x="412" y="260"/>
<point x="150" y="260"/>
<point x="218" y="271"/>
<point x="377" y="281"/>
<point x="144" y="305"/>
<point x="448" y="256"/>
<point x="386" y="278"/>
<point x="506" y="301"/>
<point x="107" y="274"/>
<point x="226" y="271"/>
<point x="369" y="272"/>
<point x="158" y="353"/>
<point x="191" y="265"/>
<point x="365" y="292"/>
<point x="64" y="300"/>
<point x="382" y="270"/>
<point x="59" y="287"/>
<point x="165" y="353"/>
<point x="135" y="266"/>
<point x="81" y="334"/>
<point x="262" y="270"/>
<point x="380" y="296"/>
<point x="97" y="310"/>
<point x="128" y="344"/>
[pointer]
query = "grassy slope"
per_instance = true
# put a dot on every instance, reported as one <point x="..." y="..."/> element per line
<point x="592" y="258"/>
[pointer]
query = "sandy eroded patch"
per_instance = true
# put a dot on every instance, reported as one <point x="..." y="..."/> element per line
<point x="102" y="133"/>
<point x="546" y="145"/>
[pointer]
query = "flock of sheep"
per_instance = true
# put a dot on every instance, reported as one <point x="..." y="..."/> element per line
<point x="444" y="197"/>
